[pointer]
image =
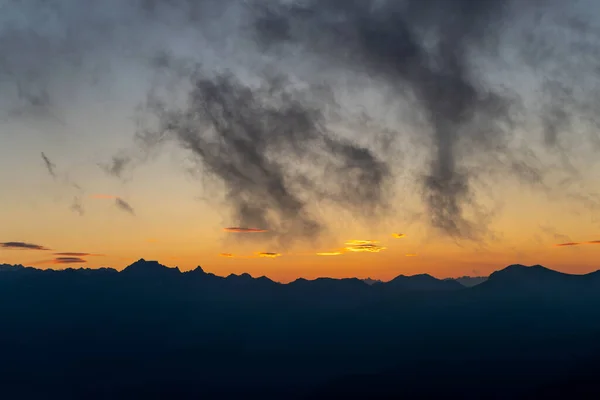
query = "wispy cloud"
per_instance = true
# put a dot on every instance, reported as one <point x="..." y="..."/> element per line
<point x="117" y="165"/>
<point x="411" y="255"/>
<point x="577" y="243"/>
<point x="50" y="166"/>
<point x="255" y="255"/>
<point x="64" y="180"/>
<point x="237" y="229"/>
<point x="77" y="206"/>
<point x="124" y="206"/>
<point x="331" y="253"/>
<point x="268" y="255"/>
<point x="355" y="246"/>
<point x="551" y="231"/>
<point x="68" y="260"/>
<point x="398" y="235"/>
<point x="119" y="202"/>
<point x="22" y="246"/>
<point x="567" y="244"/>
<point x="364" y="246"/>
<point x="75" y="254"/>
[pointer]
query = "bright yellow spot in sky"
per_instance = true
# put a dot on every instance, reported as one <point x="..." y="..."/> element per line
<point x="364" y="246"/>
<point x="331" y="253"/>
<point x="268" y="255"/>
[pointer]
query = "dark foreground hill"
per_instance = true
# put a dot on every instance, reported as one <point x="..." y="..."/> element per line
<point x="153" y="332"/>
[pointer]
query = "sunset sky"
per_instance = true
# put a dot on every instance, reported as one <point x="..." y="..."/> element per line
<point x="65" y="122"/>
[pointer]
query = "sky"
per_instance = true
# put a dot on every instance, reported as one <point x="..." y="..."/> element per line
<point x="363" y="139"/>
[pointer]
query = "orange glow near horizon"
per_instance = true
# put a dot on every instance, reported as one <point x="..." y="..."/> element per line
<point x="385" y="266"/>
<point x="194" y="234"/>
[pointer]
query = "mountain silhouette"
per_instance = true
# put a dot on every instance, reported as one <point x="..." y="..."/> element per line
<point x="150" y="331"/>
<point x="538" y="278"/>
<point x="149" y="269"/>
<point x="470" y="281"/>
<point x="370" y="281"/>
<point x="10" y="268"/>
<point x="422" y="282"/>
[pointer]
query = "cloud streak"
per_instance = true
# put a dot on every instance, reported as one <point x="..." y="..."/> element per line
<point x="22" y="246"/>
<point x="75" y="254"/>
<point x="119" y="202"/>
<point x="76" y="204"/>
<point x="124" y="206"/>
<point x="268" y="255"/>
<point x="569" y="244"/>
<point x="244" y="230"/>
<point x="68" y="260"/>
<point x="364" y="246"/>
<point x="355" y="246"/>
<point x="255" y="255"/>
<point x="331" y="253"/>
<point x="50" y="166"/>
<point x="398" y="235"/>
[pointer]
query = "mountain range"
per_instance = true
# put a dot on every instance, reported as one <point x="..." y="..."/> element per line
<point x="145" y="268"/>
<point x="150" y="331"/>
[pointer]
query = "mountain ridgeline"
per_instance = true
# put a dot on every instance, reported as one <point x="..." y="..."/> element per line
<point x="155" y="332"/>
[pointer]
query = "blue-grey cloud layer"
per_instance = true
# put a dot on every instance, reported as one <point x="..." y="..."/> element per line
<point x="260" y="91"/>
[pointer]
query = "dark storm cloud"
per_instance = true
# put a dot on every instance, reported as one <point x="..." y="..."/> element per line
<point x="258" y="140"/>
<point x="270" y="142"/>
<point x="22" y="246"/>
<point x="417" y="46"/>
<point x="426" y="50"/>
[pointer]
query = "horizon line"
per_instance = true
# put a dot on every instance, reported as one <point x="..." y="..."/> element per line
<point x="296" y="279"/>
